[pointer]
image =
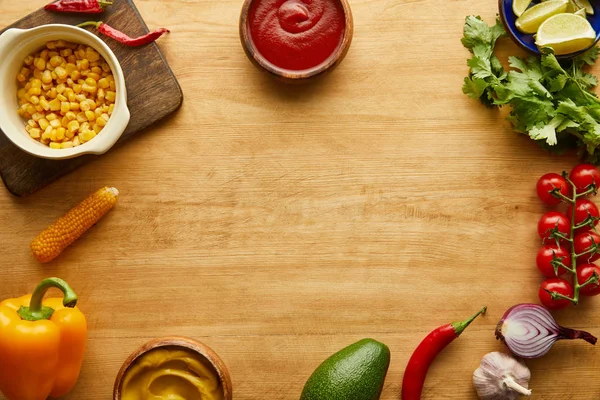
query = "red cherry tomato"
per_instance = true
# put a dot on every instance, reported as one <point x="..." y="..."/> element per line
<point x="583" y="208"/>
<point x="584" y="175"/>
<point x="549" y="182"/>
<point x="552" y="220"/>
<point x="582" y="242"/>
<point x="545" y="257"/>
<point x="557" y="285"/>
<point x="585" y="272"/>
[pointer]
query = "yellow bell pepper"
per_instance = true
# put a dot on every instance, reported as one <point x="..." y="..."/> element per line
<point x="41" y="343"/>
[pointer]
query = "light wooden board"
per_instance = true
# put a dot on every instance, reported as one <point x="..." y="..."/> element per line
<point x="279" y="225"/>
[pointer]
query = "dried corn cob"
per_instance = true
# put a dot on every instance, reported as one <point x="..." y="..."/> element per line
<point x="68" y="228"/>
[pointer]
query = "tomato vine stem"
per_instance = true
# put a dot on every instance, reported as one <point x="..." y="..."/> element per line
<point x="557" y="262"/>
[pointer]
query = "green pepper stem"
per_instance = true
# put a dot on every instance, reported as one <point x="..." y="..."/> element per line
<point x="90" y="23"/>
<point x="103" y="3"/>
<point x="36" y="311"/>
<point x="459" y="327"/>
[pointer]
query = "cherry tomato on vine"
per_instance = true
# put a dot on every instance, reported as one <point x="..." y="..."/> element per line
<point x="552" y="220"/>
<point x="582" y="242"/>
<point x="585" y="272"/>
<point x="546" y="255"/>
<point x="584" y="175"/>
<point x="549" y="182"/>
<point x="583" y="208"/>
<point x="557" y="285"/>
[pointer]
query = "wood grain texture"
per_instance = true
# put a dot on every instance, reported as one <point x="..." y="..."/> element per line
<point x="280" y="224"/>
<point x="153" y="94"/>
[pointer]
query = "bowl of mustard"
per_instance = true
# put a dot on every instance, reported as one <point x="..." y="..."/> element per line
<point x="173" y="368"/>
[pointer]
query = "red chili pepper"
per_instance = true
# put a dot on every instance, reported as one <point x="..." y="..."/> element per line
<point x="78" y="6"/>
<point x="123" y="38"/>
<point x="426" y="352"/>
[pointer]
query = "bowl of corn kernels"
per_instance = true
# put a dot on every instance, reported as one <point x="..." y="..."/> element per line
<point x="62" y="92"/>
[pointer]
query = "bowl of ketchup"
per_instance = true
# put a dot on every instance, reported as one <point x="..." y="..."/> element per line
<point x="296" y="40"/>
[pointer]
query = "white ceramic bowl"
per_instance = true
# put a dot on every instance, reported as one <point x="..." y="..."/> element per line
<point x="15" y="45"/>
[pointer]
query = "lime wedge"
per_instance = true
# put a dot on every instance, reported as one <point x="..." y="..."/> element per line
<point x="572" y="7"/>
<point x="585" y="4"/>
<point x="519" y="6"/>
<point x="533" y="17"/>
<point x="565" y="34"/>
<point x="581" y="12"/>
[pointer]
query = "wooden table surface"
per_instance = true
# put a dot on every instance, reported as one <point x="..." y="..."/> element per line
<point x="280" y="224"/>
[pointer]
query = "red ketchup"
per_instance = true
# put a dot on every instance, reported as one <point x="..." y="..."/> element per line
<point x="296" y="34"/>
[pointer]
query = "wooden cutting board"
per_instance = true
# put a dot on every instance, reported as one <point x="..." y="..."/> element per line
<point x="153" y="94"/>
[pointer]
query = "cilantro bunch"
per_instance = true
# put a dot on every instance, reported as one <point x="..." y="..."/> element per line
<point x="550" y="101"/>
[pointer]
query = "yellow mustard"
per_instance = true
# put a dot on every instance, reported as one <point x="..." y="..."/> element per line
<point x="171" y="374"/>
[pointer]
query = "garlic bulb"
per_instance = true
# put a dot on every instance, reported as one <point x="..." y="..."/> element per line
<point x="501" y="377"/>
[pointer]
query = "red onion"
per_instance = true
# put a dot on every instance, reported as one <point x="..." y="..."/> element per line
<point x="529" y="331"/>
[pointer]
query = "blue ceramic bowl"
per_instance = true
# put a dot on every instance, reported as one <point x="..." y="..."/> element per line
<point x="526" y="41"/>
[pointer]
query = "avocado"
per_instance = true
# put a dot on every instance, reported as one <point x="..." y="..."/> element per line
<point x="354" y="373"/>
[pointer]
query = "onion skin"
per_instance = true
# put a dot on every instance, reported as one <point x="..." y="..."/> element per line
<point x="530" y="331"/>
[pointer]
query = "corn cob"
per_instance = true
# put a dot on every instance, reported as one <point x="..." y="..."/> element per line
<point x="70" y="227"/>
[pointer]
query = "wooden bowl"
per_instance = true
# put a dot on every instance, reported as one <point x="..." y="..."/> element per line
<point x="181" y="342"/>
<point x="286" y="75"/>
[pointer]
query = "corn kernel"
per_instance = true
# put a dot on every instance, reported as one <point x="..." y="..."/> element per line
<point x="43" y="123"/>
<point x="84" y="127"/>
<point x="55" y="123"/>
<point x="34" y="100"/>
<point x="101" y="122"/>
<point x="96" y="128"/>
<point x="54" y="105"/>
<point x="69" y="134"/>
<point x="61" y="97"/>
<point x="92" y="55"/>
<point x="28" y="60"/>
<point x="32" y="124"/>
<point x="51" y="45"/>
<point x="37" y="74"/>
<point x="21" y="78"/>
<point x="60" y="88"/>
<point x="65" y="107"/>
<point x="71" y="60"/>
<point x="34" y="91"/>
<point x="51" y="117"/>
<point x="81" y="118"/>
<point x="70" y="68"/>
<point x="113" y="86"/>
<point x="75" y="106"/>
<point x="66" y="52"/>
<point x="88" y="88"/>
<point x="80" y="97"/>
<point x="40" y="64"/>
<point x="56" y="60"/>
<point x="30" y="109"/>
<point x="61" y="72"/>
<point x="88" y="135"/>
<point x="105" y="67"/>
<point x="55" y="145"/>
<point x="84" y="64"/>
<point x="35" y="133"/>
<point x="44" y="103"/>
<point x="66" y="145"/>
<point x="52" y="93"/>
<point x="90" y="115"/>
<point x="46" y="86"/>
<point x="61" y="44"/>
<point x="73" y="126"/>
<point x="76" y="141"/>
<point x="101" y="95"/>
<point x="110" y="96"/>
<point x="103" y="83"/>
<point x="111" y="108"/>
<point x="92" y="76"/>
<point x="64" y="122"/>
<point x="48" y="132"/>
<point x="60" y="133"/>
<point x="35" y="83"/>
<point x="75" y="75"/>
